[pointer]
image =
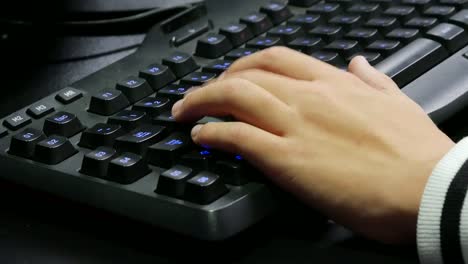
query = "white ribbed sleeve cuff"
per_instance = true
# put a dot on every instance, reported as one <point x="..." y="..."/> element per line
<point x="428" y="229"/>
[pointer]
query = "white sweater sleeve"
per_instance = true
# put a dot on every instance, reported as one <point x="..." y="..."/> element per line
<point x="443" y="215"/>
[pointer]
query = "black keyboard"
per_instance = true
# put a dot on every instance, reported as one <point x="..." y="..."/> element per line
<point x="109" y="140"/>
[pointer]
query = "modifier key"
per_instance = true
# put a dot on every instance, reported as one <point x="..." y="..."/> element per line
<point x="205" y="188"/>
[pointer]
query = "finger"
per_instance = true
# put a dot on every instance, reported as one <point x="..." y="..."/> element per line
<point x="287" y="62"/>
<point x="257" y="146"/>
<point x="239" y="98"/>
<point x="370" y="75"/>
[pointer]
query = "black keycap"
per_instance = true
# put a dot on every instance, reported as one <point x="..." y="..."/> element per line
<point x="365" y="10"/>
<point x="205" y="188"/>
<point x="218" y="66"/>
<point x="68" y="95"/>
<point x="166" y="153"/>
<point x="197" y="78"/>
<point x="96" y="162"/>
<point x="344" y="47"/>
<point x="198" y="159"/>
<point x="190" y="33"/>
<point x="327" y="10"/>
<point x="258" y="23"/>
<point x="332" y="58"/>
<point x="264" y="42"/>
<point x="456" y="3"/>
<point x="108" y="102"/>
<point x="129" y="119"/>
<point x="306" y="45"/>
<point x="343" y="3"/>
<point x="54" y="150"/>
<point x="303" y="3"/>
<point x="167" y="120"/>
<point x="372" y="57"/>
<point x="364" y="35"/>
<point x="24" y="143"/>
<point x="213" y="46"/>
<point x="441" y="12"/>
<point x="347" y="22"/>
<point x="419" y="4"/>
<point x="174" y="91"/>
<point x="17" y="121"/>
<point x="127" y="168"/>
<point x="3" y="132"/>
<point x="327" y="33"/>
<point x="422" y="23"/>
<point x="134" y="88"/>
<point x="181" y="64"/>
<point x="405" y="35"/>
<point x="63" y="124"/>
<point x="460" y="19"/>
<point x="385" y="47"/>
<point x="233" y="171"/>
<point x="278" y="12"/>
<point x="157" y="75"/>
<point x="40" y="110"/>
<point x="383" y="24"/>
<point x="306" y="21"/>
<point x="140" y="139"/>
<point x="451" y="36"/>
<point x="286" y="33"/>
<point x="153" y="105"/>
<point x="237" y="34"/>
<point x="403" y="13"/>
<point x="413" y="60"/>
<point x="172" y="182"/>
<point x="100" y="135"/>
<point x="239" y="53"/>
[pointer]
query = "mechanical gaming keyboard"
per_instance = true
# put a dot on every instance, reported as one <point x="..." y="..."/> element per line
<point x="110" y="141"/>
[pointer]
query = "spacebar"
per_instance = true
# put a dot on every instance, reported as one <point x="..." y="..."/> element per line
<point x="413" y="60"/>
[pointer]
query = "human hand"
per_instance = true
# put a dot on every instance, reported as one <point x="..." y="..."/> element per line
<point x="350" y="144"/>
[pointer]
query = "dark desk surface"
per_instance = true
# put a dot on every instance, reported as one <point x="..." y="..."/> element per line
<point x="40" y="228"/>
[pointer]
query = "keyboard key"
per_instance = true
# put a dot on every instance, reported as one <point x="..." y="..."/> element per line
<point x="190" y="33"/>
<point x="218" y="66"/>
<point x="198" y="159"/>
<point x="16" y="121"/>
<point x="100" y="135"/>
<point x="63" y="124"/>
<point x="172" y="182"/>
<point x="456" y="3"/>
<point x="365" y="10"/>
<point x="54" y="150"/>
<point x="205" y="188"/>
<point x="237" y="34"/>
<point x="181" y="64"/>
<point x="422" y="23"/>
<point x="451" y="36"/>
<point x="371" y="57"/>
<point x="108" y="102"/>
<point x="385" y="47"/>
<point x="139" y="139"/>
<point x="332" y="58"/>
<point x="68" y="95"/>
<point x="441" y="12"/>
<point x="278" y="12"/>
<point x="96" y="162"/>
<point x="405" y="35"/>
<point x="157" y="75"/>
<point x="166" y="153"/>
<point x="364" y="35"/>
<point x="413" y="60"/>
<point x="306" y="45"/>
<point x="167" y="120"/>
<point x="306" y="21"/>
<point x="403" y="13"/>
<point x="134" y="88"/>
<point x="239" y="53"/>
<point x="347" y="22"/>
<point x="234" y="171"/>
<point x="327" y="10"/>
<point x="127" y="168"/>
<point x="197" y="78"/>
<point x="40" y="110"/>
<point x="421" y="5"/>
<point x="129" y="119"/>
<point x="3" y="132"/>
<point x="460" y="18"/>
<point x="264" y="42"/>
<point x="213" y="46"/>
<point x="343" y="3"/>
<point x="302" y="3"/>
<point x="383" y="24"/>
<point x="174" y="92"/>
<point x="327" y="33"/>
<point x="344" y="47"/>
<point x="258" y="23"/>
<point x="153" y="105"/>
<point x="286" y="33"/>
<point x="24" y="143"/>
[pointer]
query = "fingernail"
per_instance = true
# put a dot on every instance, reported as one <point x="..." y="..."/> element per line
<point x="363" y="60"/>
<point x="195" y="130"/>
<point x="176" y="107"/>
<point x="222" y="76"/>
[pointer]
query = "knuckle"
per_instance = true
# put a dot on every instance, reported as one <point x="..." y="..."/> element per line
<point x="232" y="89"/>
<point x="272" y="53"/>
